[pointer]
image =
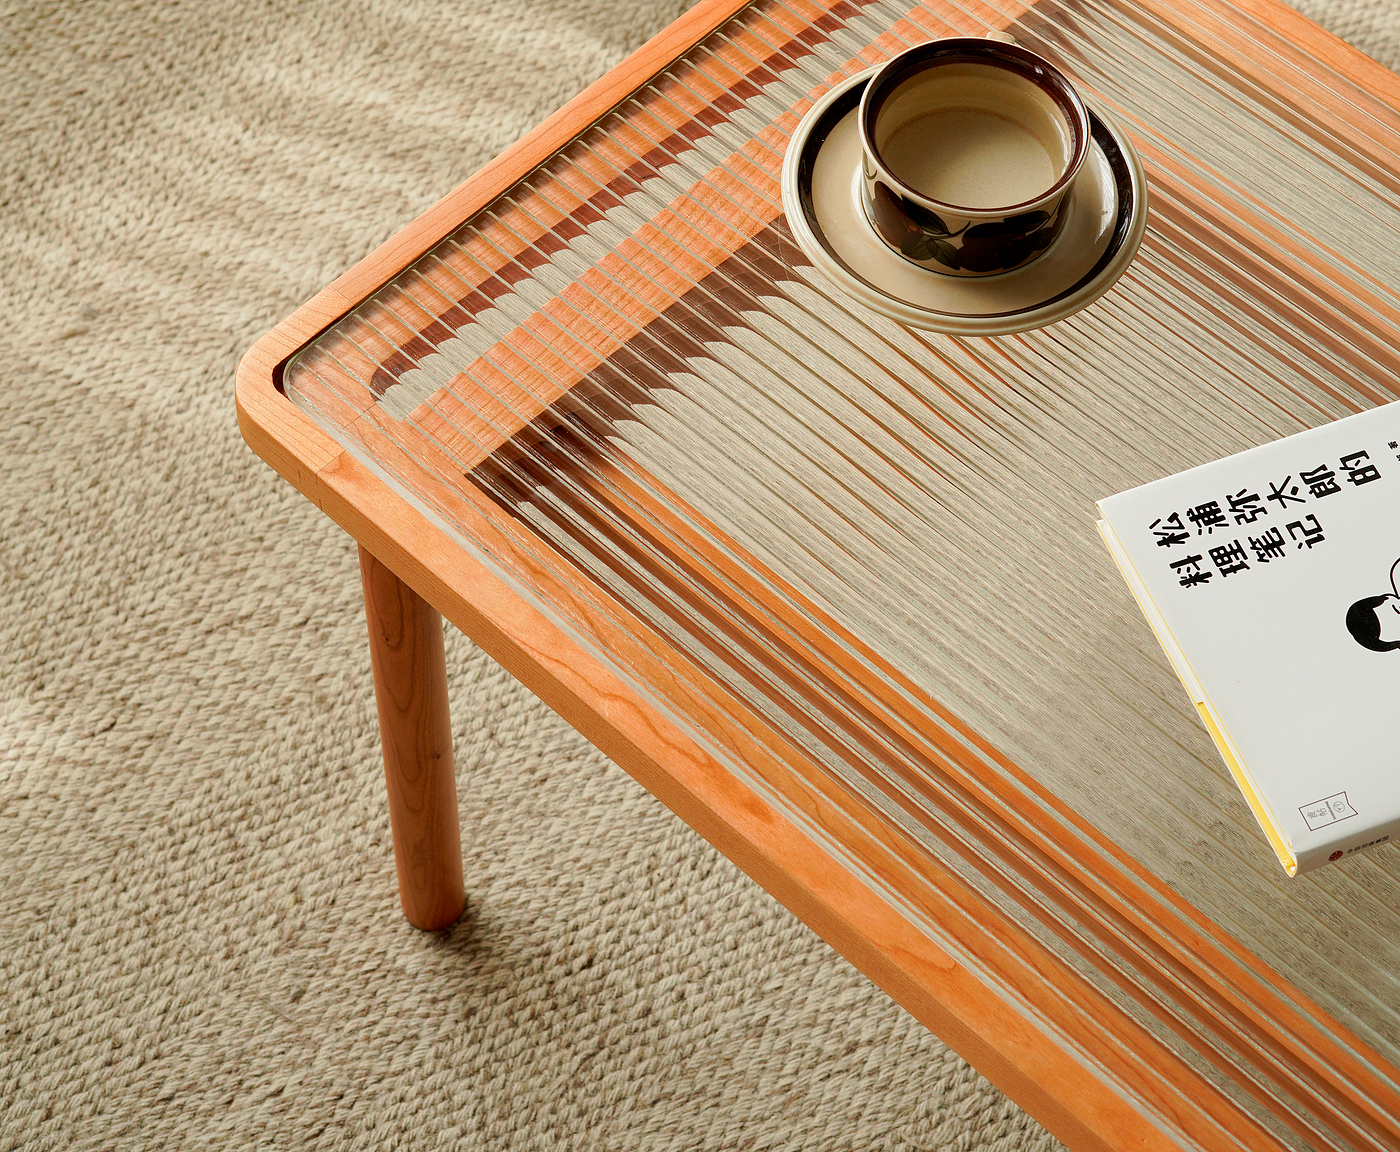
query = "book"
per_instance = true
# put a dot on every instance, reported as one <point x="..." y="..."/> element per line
<point x="1272" y="581"/>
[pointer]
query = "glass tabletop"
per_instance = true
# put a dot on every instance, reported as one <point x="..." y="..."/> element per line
<point x="872" y="548"/>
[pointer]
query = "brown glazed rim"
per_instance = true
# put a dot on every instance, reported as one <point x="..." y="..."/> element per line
<point x="974" y="50"/>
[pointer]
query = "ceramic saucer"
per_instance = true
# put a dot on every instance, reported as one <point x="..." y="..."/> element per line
<point x="821" y="195"/>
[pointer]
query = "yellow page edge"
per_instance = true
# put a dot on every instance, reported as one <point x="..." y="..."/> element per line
<point x="1177" y="658"/>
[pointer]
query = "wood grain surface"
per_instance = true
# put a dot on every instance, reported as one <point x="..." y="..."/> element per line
<point x="415" y="728"/>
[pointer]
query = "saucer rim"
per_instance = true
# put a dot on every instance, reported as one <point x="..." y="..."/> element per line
<point x="1128" y="232"/>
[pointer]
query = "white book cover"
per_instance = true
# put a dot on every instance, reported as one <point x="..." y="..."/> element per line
<point x="1272" y="579"/>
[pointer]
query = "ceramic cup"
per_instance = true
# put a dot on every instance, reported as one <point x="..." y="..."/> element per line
<point x="970" y="147"/>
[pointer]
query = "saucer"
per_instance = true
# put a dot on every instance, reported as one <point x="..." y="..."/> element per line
<point x="1107" y="208"/>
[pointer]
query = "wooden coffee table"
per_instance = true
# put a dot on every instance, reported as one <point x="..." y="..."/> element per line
<point x="830" y="588"/>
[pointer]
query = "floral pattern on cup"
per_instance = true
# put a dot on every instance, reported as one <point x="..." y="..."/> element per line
<point x="923" y="236"/>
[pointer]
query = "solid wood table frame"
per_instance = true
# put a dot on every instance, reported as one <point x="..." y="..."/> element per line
<point x="1074" y="1058"/>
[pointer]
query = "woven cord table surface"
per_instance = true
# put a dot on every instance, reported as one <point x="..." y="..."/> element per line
<point x="871" y="548"/>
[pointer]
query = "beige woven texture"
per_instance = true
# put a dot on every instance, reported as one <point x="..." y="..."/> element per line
<point x="200" y="940"/>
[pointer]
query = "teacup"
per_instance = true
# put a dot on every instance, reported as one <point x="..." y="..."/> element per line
<point x="970" y="147"/>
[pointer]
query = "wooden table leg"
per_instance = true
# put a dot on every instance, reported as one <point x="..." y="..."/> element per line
<point x="410" y="686"/>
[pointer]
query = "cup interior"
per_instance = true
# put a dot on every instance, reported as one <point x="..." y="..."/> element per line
<point x="974" y="134"/>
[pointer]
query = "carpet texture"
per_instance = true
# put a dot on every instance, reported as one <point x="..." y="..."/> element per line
<point x="200" y="939"/>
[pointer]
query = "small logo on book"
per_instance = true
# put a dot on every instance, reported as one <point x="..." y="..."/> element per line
<point x="1328" y="811"/>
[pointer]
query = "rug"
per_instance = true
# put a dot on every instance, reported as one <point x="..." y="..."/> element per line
<point x="200" y="938"/>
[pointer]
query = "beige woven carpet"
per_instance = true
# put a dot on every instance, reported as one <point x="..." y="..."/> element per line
<point x="200" y="941"/>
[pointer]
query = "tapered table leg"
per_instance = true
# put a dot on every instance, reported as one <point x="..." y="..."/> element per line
<point x="410" y="686"/>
